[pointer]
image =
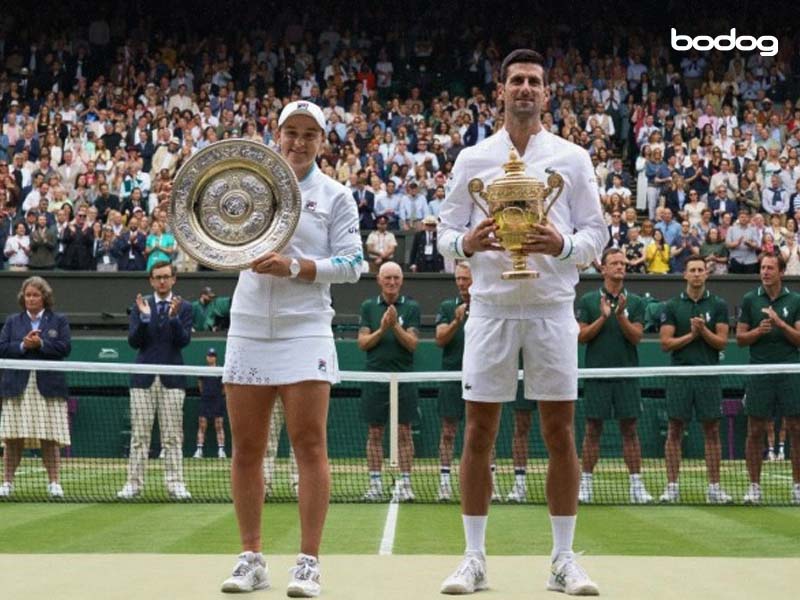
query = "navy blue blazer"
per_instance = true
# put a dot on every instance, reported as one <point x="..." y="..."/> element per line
<point x="56" y="345"/>
<point x="160" y="342"/>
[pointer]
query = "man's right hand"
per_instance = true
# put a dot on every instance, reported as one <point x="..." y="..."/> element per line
<point x="482" y="238"/>
<point x="764" y="327"/>
<point x="461" y="312"/>
<point x="389" y="318"/>
<point x="142" y="305"/>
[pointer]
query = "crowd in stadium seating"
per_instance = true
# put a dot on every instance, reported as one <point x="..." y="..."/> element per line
<point x="694" y="153"/>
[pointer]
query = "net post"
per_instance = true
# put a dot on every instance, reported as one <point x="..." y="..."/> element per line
<point x="394" y="418"/>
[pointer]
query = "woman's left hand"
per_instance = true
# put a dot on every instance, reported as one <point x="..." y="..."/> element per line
<point x="272" y="263"/>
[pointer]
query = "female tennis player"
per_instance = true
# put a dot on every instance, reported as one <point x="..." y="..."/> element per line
<point x="280" y="343"/>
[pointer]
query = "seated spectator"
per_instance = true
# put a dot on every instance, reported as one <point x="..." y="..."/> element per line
<point x="634" y="250"/>
<point x="657" y="255"/>
<point x="381" y="245"/>
<point x="715" y="252"/>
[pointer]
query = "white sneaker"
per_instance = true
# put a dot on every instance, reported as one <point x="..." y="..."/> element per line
<point x="716" y="495"/>
<point x="162" y="454"/>
<point x="305" y="578"/>
<point x="55" y="490"/>
<point x="128" y="492"/>
<point x="198" y="453"/>
<point x="403" y="492"/>
<point x="753" y="495"/>
<point x="639" y="494"/>
<point x="249" y="574"/>
<point x="221" y="453"/>
<point x="781" y="453"/>
<point x="6" y="489"/>
<point x="796" y="494"/>
<point x="585" y="491"/>
<point x="772" y="457"/>
<point x="295" y="485"/>
<point x="518" y="493"/>
<point x="374" y="493"/>
<point x="445" y="492"/>
<point x="179" y="492"/>
<point x="670" y="495"/>
<point x="496" y="497"/>
<point x="567" y="576"/>
<point x="469" y="577"/>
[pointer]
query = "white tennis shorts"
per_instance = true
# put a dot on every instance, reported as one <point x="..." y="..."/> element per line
<point x="549" y="356"/>
<point x="280" y="362"/>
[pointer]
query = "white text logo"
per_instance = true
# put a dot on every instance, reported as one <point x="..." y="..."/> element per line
<point x="767" y="44"/>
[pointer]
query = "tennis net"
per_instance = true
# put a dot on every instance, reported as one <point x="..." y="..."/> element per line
<point x="97" y="431"/>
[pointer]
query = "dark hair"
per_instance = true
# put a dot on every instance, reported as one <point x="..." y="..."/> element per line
<point x="162" y="263"/>
<point x="608" y="252"/>
<point x="695" y="258"/>
<point x="522" y="55"/>
<point x="778" y="257"/>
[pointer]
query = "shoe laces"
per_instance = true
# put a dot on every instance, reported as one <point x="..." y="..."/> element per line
<point x="471" y="566"/>
<point x="306" y="570"/>
<point x="571" y="569"/>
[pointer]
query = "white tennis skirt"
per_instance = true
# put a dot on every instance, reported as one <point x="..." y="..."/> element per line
<point x="280" y="362"/>
<point x="33" y="417"/>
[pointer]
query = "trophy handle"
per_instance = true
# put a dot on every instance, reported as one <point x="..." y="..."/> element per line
<point x="554" y="182"/>
<point x="475" y="187"/>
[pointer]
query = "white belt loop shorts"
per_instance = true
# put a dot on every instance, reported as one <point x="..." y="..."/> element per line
<point x="250" y="361"/>
<point x="549" y="347"/>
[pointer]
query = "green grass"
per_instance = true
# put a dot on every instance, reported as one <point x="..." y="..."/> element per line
<point x="422" y="529"/>
<point x="98" y="480"/>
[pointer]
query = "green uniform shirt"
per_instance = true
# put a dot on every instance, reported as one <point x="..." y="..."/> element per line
<point x="200" y="315"/>
<point x="388" y="354"/>
<point x="772" y="347"/>
<point x="610" y="348"/>
<point x="453" y="352"/>
<point x="679" y="311"/>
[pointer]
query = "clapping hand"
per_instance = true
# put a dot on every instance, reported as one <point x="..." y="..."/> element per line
<point x="622" y="302"/>
<point x="389" y="318"/>
<point x="461" y="312"/>
<point x="605" y="306"/>
<point x="142" y="305"/>
<point x="32" y="341"/>
<point x="697" y="323"/>
<point x="772" y="316"/>
<point x="764" y="326"/>
<point x="174" y="306"/>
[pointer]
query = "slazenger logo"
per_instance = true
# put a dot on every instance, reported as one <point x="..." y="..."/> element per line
<point x="767" y="44"/>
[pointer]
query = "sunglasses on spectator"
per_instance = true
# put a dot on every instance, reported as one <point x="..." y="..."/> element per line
<point x="81" y="216"/>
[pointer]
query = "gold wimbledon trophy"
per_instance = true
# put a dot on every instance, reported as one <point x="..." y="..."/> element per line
<point x="517" y="203"/>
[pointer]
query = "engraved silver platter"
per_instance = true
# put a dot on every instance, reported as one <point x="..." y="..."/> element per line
<point x="233" y="201"/>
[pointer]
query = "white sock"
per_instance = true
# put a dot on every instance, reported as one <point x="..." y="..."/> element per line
<point x="713" y="486"/>
<point x="587" y="477"/>
<point x="444" y="478"/>
<point x="672" y="485"/>
<point x="475" y="533"/>
<point x="520" y="480"/>
<point x="636" y="479"/>
<point x="563" y="533"/>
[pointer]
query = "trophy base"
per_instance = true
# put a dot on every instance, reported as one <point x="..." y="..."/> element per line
<point x="523" y="274"/>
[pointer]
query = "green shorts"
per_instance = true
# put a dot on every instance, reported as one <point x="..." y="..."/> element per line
<point x="772" y="396"/>
<point x="521" y="402"/>
<point x="450" y="404"/>
<point x="375" y="403"/>
<point x="612" y="399"/>
<point x="701" y="395"/>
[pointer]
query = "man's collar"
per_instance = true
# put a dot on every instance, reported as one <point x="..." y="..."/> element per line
<point x="382" y="300"/>
<point x="685" y="296"/>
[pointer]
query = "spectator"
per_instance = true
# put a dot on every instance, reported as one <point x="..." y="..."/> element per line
<point x="693" y="209"/>
<point x="212" y="408"/>
<point x="129" y="247"/>
<point x="768" y="325"/>
<point x="634" y="251"/>
<point x="726" y="179"/>
<point x="694" y="329"/>
<point x="775" y="199"/>
<point x="646" y="234"/>
<point x="387" y="204"/>
<point x="611" y="323"/>
<point x="413" y="208"/>
<point x="381" y="245"/>
<point x="425" y="257"/>
<point x="160" y="327"/>
<point x="720" y="205"/>
<point x="103" y="250"/>
<point x="34" y="402"/>
<point x="668" y="227"/>
<point x="743" y="244"/>
<point x="365" y="200"/>
<point x="685" y="246"/>
<point x="43" y="245"/>
<point x="201" y="309"/>
<point x="715" y="253"/>
<point x="656" y="255"/>
<point x="17" y="249"/>
<point x="159" y="247"/>
<point x="78" y="239"/>
<point x="388" y="333"/>
<point x="617" y="230"/>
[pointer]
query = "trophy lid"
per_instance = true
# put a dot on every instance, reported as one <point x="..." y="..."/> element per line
<point x="515" y="180"/>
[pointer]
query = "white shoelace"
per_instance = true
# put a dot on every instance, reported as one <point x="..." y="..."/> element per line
<point x="471" y="567"/>
<point x="304" y="571"/>
<point x="573" y="570"/>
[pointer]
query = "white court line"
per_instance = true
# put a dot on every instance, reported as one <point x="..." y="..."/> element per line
<point x="389" y="528"/>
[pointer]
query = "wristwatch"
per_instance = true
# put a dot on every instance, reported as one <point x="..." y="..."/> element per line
<point x="294" y="268"/>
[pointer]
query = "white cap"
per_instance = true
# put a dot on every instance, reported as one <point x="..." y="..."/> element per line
<point x="302" y="107"/>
